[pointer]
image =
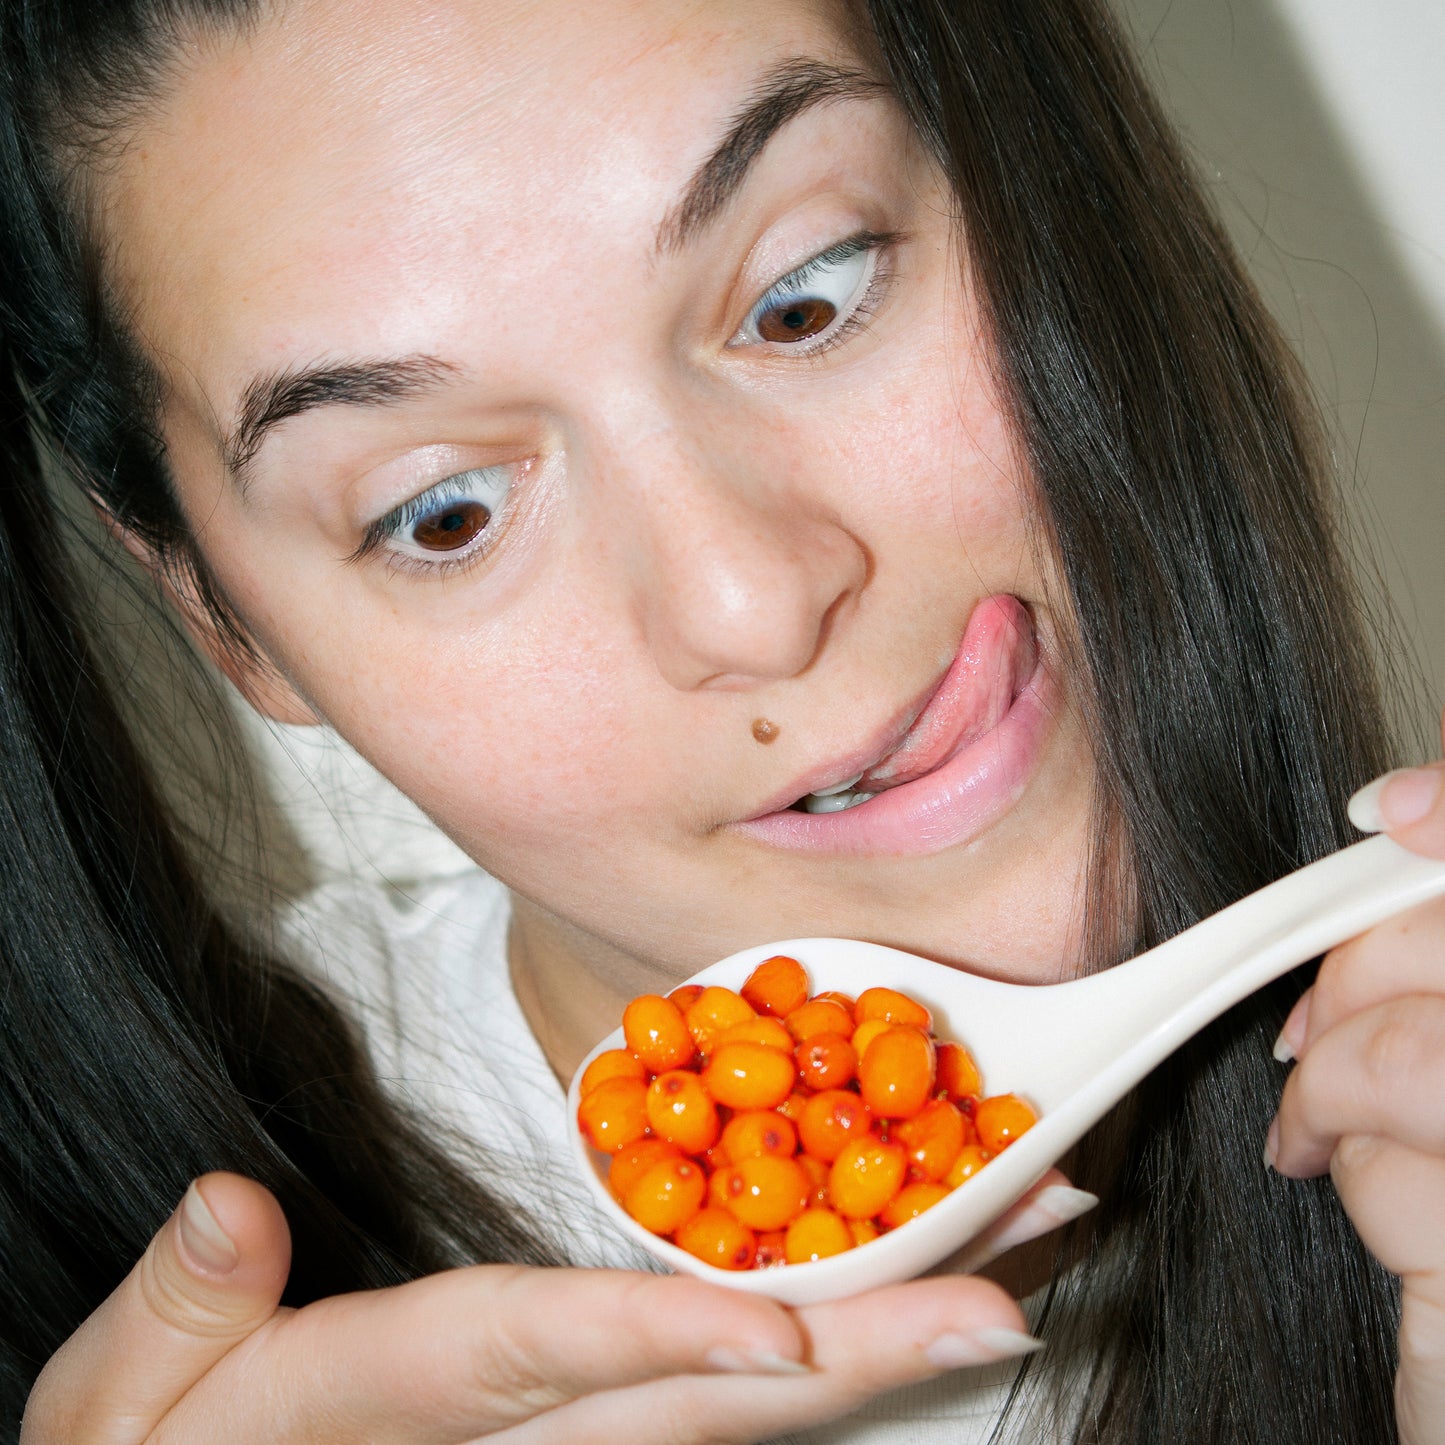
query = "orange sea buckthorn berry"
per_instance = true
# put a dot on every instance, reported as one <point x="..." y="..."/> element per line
<point x="629" y="1164"/>
<point x="1001" y="1119"/>
<point x="714" y="1011"/>
<point x="895" y="1074"/>
<point x="910" y="1202"/>
<point x="715" y="1237"/>
<point x="932" y="1138"/>
<point x="971" y="1158"/>
<point x="830" y="1120"/>
<point x="777" y="986"/>
<point x="817" y="1173"/>
<point x="680" y="1110"/>
<point x="666" y="1195"/>
<point x="656" y="1033"/>
<point x="958" y="1075"/>
<point x="767" y="1192"/>
<point x="758" y="1131"/>
<point x="758" y="1030"/>
<point x="866" y="1174"/>
<point x="772" y="1249"/>
<point x="892" y="1007"/>
<point x="684" y="996"/>
<point x="614" y="1114"/>
<point x="612" y="1064"/>
<point x="749" y="1076"/>
<point x="845" y="1001"/>
<point x="819" y="1016"/>
<point x="816" y="1234"/>
<point x="864" y="1035"/>
<point x="826" y="1061"/>
<point x="864" y="1231"/>
<point x="792" y="1107"/>
<point x="717" y="1187"/>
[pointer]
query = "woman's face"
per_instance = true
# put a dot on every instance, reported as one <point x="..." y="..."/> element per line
<point x="569" y="397"/>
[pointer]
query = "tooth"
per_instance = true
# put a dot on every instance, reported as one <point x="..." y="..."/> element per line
<point x="844" y="787"/>
<point x="833" y="802"/>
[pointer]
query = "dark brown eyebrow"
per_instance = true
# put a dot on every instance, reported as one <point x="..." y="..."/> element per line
<point x="784" y="94"/>
<point x="269" y="400"/>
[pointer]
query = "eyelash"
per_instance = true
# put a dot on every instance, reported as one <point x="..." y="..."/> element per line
<point x="880" y="245"/>
<point x="378" y="532"/>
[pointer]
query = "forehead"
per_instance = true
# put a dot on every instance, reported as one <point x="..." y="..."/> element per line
<point x="340" y="142"/>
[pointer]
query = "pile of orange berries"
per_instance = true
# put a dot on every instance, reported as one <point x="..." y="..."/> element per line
<point x="766" y="1127"/>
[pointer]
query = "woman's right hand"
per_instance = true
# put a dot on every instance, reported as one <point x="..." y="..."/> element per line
<point x="194" y="1347"/>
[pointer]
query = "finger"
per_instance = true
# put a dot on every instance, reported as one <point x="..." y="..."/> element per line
<point x="1049" y="1205"/>
<point x="1396" y="1198"/>
<point x="858" y="1348"/>
<point x="1379" y="1072"/>
<point x="462" y="1354"/>
<point x="211" y="1276"/>
<point x="1402" y="955"/>
<point x="1409" y="804"/>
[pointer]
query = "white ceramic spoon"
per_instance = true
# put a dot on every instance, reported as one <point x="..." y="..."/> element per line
<point x="1072" y="1049"/>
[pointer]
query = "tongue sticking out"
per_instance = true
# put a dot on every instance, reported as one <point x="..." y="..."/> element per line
<point x="995" y="659"/>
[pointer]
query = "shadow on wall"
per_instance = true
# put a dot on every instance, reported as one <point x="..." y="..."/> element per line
<point x="1276" y="159"/>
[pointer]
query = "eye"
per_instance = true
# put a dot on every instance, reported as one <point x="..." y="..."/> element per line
<point x="444" y="522"/>
<point x="819" y="300"/>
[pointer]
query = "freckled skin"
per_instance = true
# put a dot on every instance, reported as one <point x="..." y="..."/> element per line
<point x="699" y="537"/>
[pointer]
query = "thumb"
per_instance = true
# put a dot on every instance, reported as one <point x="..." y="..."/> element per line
<point x="212" y="1275"/>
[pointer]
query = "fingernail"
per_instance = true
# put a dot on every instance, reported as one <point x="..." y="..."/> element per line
<point x="1064" y="1202"/>
<point x="728" y="1361"/>
<point x="982" y="1347"/>
<point x="1048" y="1209"/>
<point x="1271" y="1143"/>
<point x="202" y="1238"/>
<point x="1297" y="1025"/>
<point x="1364" y="808"/>
<point x="1395" y="800"/>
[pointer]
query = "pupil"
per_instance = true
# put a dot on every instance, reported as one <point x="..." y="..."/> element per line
<point x="800" y="319"/>
<point x="453" y="528"/>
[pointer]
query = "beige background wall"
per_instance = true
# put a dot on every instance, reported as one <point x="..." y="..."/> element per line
<point x="1320" y="126"/>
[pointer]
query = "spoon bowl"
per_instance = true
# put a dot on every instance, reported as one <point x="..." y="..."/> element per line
<point x="1072" y="1049"/>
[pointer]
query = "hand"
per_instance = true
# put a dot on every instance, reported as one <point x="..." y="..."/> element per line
<point x="193" y="1347"/>
<point x="1367" y="1098"/>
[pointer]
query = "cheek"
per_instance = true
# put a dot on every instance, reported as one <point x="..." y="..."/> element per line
<point x="937" y="465"/>
<point x="495" y="733"/>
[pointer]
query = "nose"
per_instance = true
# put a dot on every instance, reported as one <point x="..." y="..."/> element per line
<point x="739" y="570"/>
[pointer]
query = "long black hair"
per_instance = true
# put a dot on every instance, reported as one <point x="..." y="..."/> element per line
<point x="1227" y="685"/>
<point x="1219" y="657"/>
<point x="142" y="1040"/>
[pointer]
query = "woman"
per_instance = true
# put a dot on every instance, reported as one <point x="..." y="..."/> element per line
<point x="598" y="422"/>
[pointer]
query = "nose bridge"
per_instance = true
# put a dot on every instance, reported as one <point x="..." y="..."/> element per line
<point x="735" y="565"/>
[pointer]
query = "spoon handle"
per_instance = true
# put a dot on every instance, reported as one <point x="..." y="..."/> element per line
<point x="1172" y="991"/>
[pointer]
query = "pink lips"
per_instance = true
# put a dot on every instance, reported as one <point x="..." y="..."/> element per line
<point x="966" y="755"/>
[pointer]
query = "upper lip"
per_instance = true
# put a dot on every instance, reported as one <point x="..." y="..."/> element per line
<point x="883" y="741"/>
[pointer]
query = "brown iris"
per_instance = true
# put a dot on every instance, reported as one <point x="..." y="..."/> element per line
<point x="451" y="527"/>
<point x="796" y="320"/>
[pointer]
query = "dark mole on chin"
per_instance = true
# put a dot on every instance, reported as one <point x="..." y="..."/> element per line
<point x="765" y="731"/>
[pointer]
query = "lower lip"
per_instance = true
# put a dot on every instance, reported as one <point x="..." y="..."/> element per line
<point x="953" y="804"/>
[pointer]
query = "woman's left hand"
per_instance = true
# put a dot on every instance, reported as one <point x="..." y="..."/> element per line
<point x="1366" y="1100"/>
